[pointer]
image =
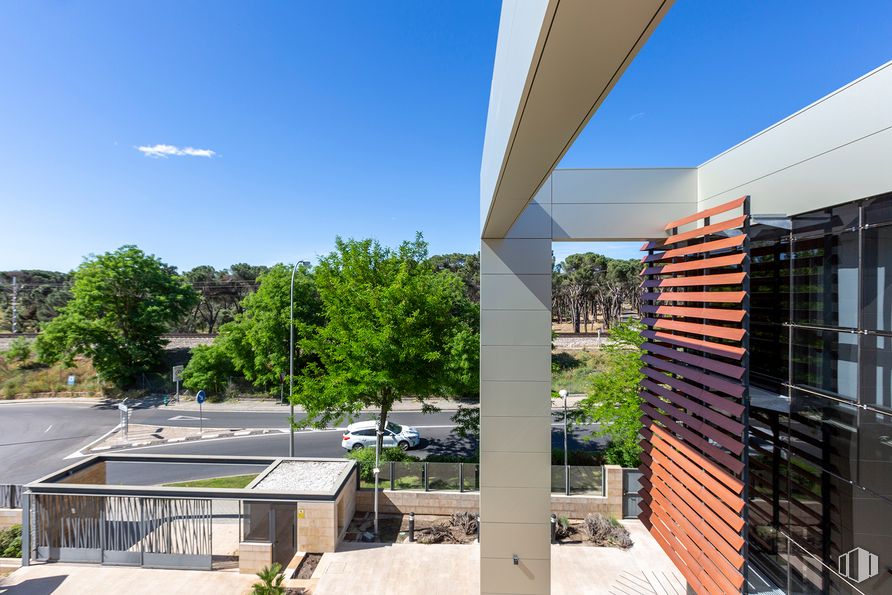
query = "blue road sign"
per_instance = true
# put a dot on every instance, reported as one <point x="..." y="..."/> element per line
<point x="200" y="397"/>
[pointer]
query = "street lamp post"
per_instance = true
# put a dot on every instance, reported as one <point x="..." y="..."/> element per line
<point x="563" y="394"/>
<point x="291" y="355"/>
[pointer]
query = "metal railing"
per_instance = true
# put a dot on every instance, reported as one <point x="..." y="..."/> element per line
<point x="465" y="477"/>
<point x="10" y="495"/>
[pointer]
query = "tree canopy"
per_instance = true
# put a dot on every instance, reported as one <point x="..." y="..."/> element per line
<point x="395" y="328"/>
<point x="122" y="302"/>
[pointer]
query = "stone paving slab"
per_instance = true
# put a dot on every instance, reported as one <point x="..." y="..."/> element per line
<point x="74" y="579"/>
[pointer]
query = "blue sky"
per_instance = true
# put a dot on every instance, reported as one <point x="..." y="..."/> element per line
<point x="346" y="118"/>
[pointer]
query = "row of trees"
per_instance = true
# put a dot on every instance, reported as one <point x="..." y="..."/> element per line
<point x="588" y="286"/>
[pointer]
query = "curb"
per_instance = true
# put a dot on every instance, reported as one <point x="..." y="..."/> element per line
<point x="180" y="439"/>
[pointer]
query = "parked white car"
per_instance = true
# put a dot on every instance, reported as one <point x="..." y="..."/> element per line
<point x="362" y="434"/>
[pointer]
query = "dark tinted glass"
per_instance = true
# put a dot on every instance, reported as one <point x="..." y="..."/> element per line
<point x="877" y="279"/>
<point x="876" y="371"/>
<point x="833" y="220"/>
<point x="825" y="280"/>
<point x="824" y="432"/>
<point x="875" y="453"/>
<point x="770" y="276"/>
<point x="878" y="210"/>
<point x="826" y="361"/>
<point x="769" y="355"/>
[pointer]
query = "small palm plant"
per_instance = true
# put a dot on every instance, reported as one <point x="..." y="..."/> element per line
<point x="270" y="581"/>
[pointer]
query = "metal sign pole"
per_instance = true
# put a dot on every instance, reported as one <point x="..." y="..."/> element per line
<point x="200" y="418"/>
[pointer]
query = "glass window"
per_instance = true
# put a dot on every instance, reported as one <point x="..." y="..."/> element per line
<point x="824" y="432"/>
<point x="770" y="275"/>
<point x="877" y="279"/>
<point x="255" y="522"/>
<point x="878" y="210"/>
<point x="832" y="220"/>
<point x="875" y="453"/>
<point x="876" y="371"/>
<point x="769" y="353"/>
<point x="825" y="280"/>
<point x="826" y="361"/>
<point x="395" y="428"/>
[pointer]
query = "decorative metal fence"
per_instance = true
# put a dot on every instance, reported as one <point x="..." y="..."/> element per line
<point x="10" y="495"/>
<point x="123" y="530"/>
<point x="465" y="477"/>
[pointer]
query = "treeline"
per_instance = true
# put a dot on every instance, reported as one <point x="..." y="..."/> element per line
<point x="588" y="286"/>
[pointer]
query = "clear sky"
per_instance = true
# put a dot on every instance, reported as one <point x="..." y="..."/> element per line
<point x="214" y="133"/>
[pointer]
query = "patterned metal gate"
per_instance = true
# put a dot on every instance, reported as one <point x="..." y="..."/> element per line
<point x="122" y="530"/>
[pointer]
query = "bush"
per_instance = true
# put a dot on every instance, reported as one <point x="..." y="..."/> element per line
<point x="473" y="458"/>
<point x="209" y="369"/>
<point x="19" y="350"/>
<point x="623" y="454"/>
<point x="270" y="581"/>
<point x="365" y="458"/>
<point x="603" y="531"/>
<point x="11" y="542"/>
<point x="581" y="458"/>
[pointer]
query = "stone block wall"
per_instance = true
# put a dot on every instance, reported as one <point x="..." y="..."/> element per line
<point x="253" y="556"/>
<point x="317" y="530"/>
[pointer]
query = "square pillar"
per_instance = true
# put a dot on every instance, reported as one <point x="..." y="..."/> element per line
<point x="515" y="405"/>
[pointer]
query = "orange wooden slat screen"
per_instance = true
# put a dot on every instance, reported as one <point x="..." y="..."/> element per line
<point x="694" y="395"/>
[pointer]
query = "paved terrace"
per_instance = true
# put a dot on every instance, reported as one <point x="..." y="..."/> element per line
<point x="379" y="569"/>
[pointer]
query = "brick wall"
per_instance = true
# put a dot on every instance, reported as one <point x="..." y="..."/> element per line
<point x="252" y="557"/>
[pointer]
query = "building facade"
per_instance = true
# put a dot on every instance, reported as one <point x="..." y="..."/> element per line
<point x="815" y="459"/>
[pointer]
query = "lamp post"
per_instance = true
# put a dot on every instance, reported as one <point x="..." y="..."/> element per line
<point x="291" y="355"/>
<point x="563" y="394"/>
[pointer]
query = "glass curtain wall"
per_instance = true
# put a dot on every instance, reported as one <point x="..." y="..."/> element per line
<point x="820" y="447"/>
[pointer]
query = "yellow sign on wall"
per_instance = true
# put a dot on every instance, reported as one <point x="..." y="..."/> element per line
<point x="300" y="513"/>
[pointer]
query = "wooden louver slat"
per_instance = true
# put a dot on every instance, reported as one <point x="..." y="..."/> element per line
<point x="694" y="394"/>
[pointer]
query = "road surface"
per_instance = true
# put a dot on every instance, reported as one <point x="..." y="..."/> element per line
<point x="39" y="438"/>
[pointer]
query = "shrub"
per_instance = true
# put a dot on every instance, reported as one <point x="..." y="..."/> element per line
<point x="209" y="369"/>
<point x="472" y="458"/>
<point x="603" y="531"/>
<point x="624" y="454"/>
<point x="270" y="581"/>
<point x="11" y="542"/>
<point x="365" y="458"/>
<point x="19" y="350"/>
<point x="584" y="458"/>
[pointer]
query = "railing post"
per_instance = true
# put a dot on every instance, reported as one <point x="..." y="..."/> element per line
<point x="26" y="528"/>
<point x="426" y="476"/>
<point x="392" y="467"/>
<point x="461" y="477"/>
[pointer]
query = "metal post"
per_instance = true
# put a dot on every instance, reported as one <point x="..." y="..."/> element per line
<point x="291" y="371"/>
<point x="553" y="528"/>
<point x="200" y="419"/>
<point x="411" y="527"/>
<point x="563" y="393"/>
<point x="376" y="470"/>
<point x="26" y="528"/>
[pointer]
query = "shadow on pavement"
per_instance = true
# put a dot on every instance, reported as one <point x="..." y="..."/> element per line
<point x="35" y="586"/>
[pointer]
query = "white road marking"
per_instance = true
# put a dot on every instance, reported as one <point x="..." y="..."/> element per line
<point x="186" y="418"/>
<point x="48" y="429"/>
<point x="80" y="453"/>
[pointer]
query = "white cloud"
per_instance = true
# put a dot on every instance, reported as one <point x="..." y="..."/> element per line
<point x="172" y="150"/>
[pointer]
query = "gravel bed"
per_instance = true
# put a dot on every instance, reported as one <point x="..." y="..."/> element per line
<point x="303" y="476"/>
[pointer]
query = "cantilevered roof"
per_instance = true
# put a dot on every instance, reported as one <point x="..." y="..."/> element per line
<point x="556" y="61"/>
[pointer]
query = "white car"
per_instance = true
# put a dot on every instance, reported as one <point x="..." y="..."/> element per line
<point x="362" y="434"/>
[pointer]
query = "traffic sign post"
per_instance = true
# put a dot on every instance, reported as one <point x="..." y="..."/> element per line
<point x="200" y="397"/>
<point x="177" y="375"/>
<point x="125" y="417"/>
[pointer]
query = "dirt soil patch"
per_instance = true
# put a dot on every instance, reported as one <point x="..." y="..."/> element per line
<point x="394" y="528"/>
<point x="307" y="566"/>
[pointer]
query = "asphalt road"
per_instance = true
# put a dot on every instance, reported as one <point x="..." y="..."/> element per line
<point x="36" y="438"/>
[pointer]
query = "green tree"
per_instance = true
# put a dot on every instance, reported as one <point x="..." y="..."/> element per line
<point x="19" y="350"/>
<point x="122" y="302"/>
<point x="466" y="266"/>
<point x="613" y="401"/>
<point x="396" y="328"/>
<point x="257" y="340"/>
<point x="209" y="368"/>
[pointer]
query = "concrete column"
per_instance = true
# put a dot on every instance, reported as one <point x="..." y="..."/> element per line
<point x="515" y="404"/>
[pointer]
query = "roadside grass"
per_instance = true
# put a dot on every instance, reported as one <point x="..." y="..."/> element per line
<point x="23" y="379"/>
<point x="229" y="481"/>
<point x="573" y="370"/>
